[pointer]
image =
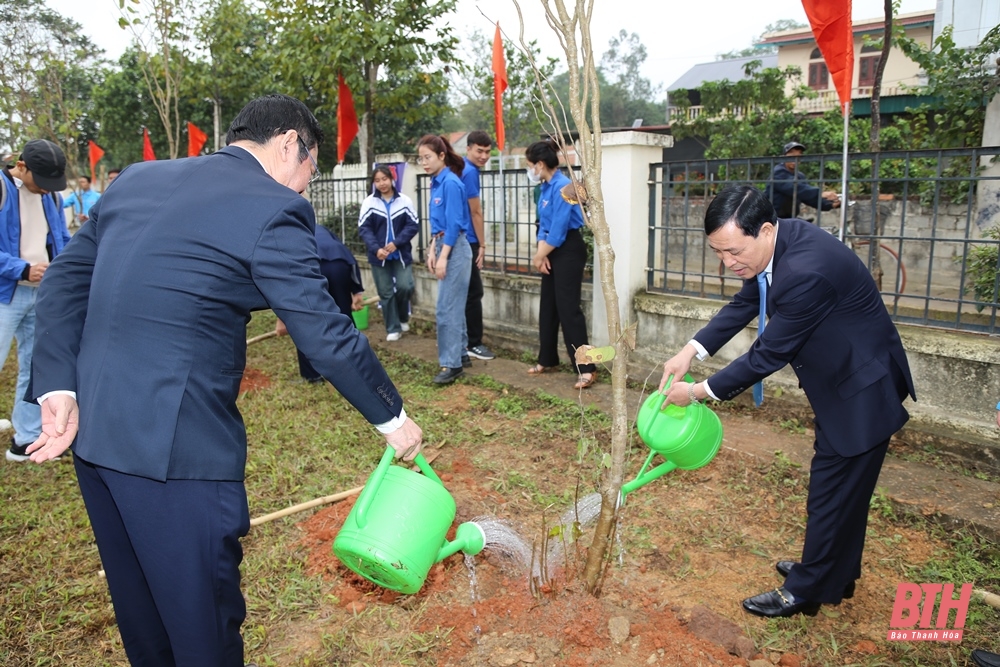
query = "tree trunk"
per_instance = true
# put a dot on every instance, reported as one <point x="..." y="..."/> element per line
<point x="366" y="134"/>
<point x="874" y="147"/>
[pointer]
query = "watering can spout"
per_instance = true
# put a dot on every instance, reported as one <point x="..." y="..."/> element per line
<point x="469" y="539"/>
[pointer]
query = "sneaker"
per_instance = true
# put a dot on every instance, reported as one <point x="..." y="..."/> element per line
<point x="17" y="453"/>
<point x="394" y="336"/>
<point x="448" y="375"/>
<point x="481" y="352"/>
<point x="466" y="362"/>
<point x="5" y="425"/>
<point x="405" y="326"/>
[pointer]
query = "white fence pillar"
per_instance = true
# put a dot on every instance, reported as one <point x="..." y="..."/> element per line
<point x="624" y="183"/>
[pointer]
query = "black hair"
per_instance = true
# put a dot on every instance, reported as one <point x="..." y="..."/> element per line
<point x="743" y="204"/>
<point x="267" y="117"/>
<point x="85" y="176"/>
<point x="546" y="152"/>
<point x="478" y="138"/>
<point x="115" y="170"/>
<point x="439" y="145"/>
<point x="385" y="171"/>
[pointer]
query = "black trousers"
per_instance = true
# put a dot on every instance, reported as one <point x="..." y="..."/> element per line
<point x="340" y="283"/>
<point x="474" y="302"/>
<point x="560" y="303"/>
<point x="171" y="553"/>
<point x="840" y="492"/>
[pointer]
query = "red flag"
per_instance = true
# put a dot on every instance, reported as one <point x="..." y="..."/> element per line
<point x="147" y="146"/>
<point x="834" y="33"/>
<point x="196" y="139"/>
<point x="96" y="153"/>
<point x="347" y="119"/>
<point x="499" y="85"/>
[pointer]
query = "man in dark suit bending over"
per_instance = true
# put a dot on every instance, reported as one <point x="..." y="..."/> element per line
<point x="824" y="317"/>
<point x="141" y="345"/>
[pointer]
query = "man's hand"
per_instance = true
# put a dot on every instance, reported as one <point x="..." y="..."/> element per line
<point x="481" y="257"/>
<point x="541" y="263"/>
<point x="677" y="366"/>
<point x="407" y="440"/>
<point x="279" y="328"/>
<point x="431" y="258"/>
<point x="358" y="301"/>
<point x="36" y="271"/>
<point x="60" y="423"/>
<point x="381" y="254"/>
<point x="678" y="395"/>
<point x="390" y="248"/>
<point x="441" y="268"/>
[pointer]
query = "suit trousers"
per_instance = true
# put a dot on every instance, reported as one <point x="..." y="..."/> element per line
<point x="559" y="303"/>
<point x="171" y="552"/>
<point x="840" y="492"/>
<point x="474" y="302"/>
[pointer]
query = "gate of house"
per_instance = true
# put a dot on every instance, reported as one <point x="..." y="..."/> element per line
<point x="927" y="221"/>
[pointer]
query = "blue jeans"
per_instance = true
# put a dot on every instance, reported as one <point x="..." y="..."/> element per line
<point x="395" y="298"/>
<point x="17" y="321"/>
<point x="452" y="336"/>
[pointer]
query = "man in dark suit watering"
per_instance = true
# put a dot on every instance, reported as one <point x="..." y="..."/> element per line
<point x="824" y="316"/>
<point x="141" y="345"/>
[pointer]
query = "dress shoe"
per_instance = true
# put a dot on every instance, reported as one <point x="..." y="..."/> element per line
<point x="785" y="566"/>
<point x="779" y="602"/>
<point x="985" y="658"/>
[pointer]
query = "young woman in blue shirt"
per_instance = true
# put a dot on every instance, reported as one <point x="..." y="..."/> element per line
<point x="450" y="257"/>
<point x="560" y="258"/>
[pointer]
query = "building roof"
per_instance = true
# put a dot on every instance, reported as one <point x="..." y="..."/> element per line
<point x="861" y="26"/>
<point x="731" y="69"/>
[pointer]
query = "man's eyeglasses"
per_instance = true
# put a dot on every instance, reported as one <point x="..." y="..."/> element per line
<point x="315" y="172"/>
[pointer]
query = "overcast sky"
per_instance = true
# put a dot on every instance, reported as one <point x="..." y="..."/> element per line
<point x="677" y="35"/>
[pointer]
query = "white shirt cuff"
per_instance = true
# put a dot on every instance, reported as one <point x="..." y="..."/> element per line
<point x="395" y="423"/>
<point x="708" y="390"/>
<point x="64" y="392"/>
<point x="702" y="352"/>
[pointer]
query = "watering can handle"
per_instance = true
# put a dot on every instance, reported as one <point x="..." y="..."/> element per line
<point x="371" y="488"/>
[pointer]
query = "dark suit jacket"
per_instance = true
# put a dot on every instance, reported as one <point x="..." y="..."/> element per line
<point x="825" y="318"/>
<point x="144" y="315"/>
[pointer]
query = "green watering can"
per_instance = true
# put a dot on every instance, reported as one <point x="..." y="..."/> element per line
<point x="396" y="530"/>
<point x="688" y="438"/>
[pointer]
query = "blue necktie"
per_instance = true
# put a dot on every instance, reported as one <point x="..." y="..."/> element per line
<point x="758" y="389"/>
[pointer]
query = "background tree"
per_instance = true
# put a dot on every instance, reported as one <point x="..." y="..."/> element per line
<point x="758" y="48"/>
<point x="363" y="40"/>
<point x="48" y="69"/>
<point x="473" y="89"/>
<point x="629" y="95"/>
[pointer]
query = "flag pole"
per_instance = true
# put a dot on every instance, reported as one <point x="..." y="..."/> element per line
<point x="503" y="217"/>
<point x="843" y="181"/>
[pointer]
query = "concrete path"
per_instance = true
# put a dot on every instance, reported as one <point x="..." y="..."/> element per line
<point x="953" y="499"/>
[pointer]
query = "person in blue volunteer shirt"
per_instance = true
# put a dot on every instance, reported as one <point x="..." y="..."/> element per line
<point x="449" y="257"/>
<point x="560" y="258"/>
<point x="477" y="154"/>
<point x="81" y="200"/>
<point x="387" y="223"/>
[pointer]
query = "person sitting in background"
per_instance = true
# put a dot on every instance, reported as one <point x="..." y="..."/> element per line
<point x="343" y="282"/>
<point x="387" y="223"/>
<point x="81" y="200"/>
<point x="788" y="188"/>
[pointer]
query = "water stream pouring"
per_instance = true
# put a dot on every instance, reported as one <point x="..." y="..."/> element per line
<point x="396" y="530"/>
<point x="688" y="438"/>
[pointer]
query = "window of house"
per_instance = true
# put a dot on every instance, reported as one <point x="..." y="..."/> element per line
<point x="866" y="71"/>
<point x="819" y="76"/>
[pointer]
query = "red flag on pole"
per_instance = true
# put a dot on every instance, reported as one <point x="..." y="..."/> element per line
<point x="499" y="85"/>
<point x="832" y="28"/>
<point x="96" y="153"/>
<point x="347" y="119"/>
<point x="196" y="139"/>
<point x="147" y="146"/>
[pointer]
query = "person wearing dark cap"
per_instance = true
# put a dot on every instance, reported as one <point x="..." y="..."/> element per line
<point x="788" y="188"/>
<point x="31" y="212"/>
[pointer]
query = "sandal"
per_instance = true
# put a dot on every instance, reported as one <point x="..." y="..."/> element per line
<point x="584" y="382"/>
<point x="538" y="369"/>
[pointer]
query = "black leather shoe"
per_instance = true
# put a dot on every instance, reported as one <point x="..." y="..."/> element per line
<point x="448" y="375"/>
<point x="985" y="658"/>
<point x="785" y="566"/>
<point x="779" y="602"/>
<point x="466" y="361"/>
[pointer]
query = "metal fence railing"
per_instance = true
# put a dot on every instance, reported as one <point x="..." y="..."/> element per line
<point x="337" y="202"/>
<point x="510" y="220"/>
<point x="933" y="228"/>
